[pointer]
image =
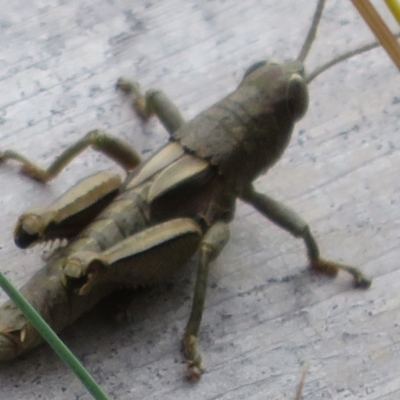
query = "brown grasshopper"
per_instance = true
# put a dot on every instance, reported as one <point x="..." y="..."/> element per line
<point x="178" y="203"/>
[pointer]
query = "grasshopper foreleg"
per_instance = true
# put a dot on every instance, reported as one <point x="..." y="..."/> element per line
<point x="294" y="224"/>
<point x="211" y="246"/>
<point x="110" y="146"/>
<point x="154" y="102"/>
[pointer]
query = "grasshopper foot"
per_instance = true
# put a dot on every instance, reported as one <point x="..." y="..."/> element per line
<point x="128" y="87"/>
<point x="29" y="169"/>
<point x="139" y="101"/>
<point x="332" y="268"/>
<point x="192" y="358"/>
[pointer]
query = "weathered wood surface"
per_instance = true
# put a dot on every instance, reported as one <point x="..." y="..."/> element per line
<point x="266" y="313"/>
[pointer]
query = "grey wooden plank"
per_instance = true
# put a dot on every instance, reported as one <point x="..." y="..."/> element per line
<point x="266" y="313"/>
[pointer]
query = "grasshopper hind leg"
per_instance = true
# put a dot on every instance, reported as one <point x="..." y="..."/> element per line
<point x="70" y="213"/>
<point x="147" y="257"/>
<point x="294" y="224"/>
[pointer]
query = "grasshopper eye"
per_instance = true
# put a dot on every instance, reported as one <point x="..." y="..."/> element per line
<point x="302" y="71"/>
<point x="254" y="67"/>
<point x="297" y="96"/>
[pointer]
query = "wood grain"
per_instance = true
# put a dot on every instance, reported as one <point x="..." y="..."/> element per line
<point x="266" y="314"/>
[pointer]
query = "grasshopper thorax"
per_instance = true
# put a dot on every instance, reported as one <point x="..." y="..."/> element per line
<point x="245" y="133"/>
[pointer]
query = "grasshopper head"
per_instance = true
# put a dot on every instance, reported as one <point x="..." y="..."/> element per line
<point x="287" y="79"/>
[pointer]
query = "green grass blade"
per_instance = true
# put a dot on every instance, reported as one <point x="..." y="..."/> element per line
<point x="52" y="339"/>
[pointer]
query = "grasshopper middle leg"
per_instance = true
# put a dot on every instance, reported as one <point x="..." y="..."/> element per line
<point x="211" y="246"/>
<point x="294" y="224"/>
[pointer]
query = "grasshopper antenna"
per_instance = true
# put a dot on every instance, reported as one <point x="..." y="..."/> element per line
<point x="311" y="37"/>
<point x="312" y="32"/>
<point x="322" y="68"/>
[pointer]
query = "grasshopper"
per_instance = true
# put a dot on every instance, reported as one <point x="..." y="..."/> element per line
<point x="179" y="203"/>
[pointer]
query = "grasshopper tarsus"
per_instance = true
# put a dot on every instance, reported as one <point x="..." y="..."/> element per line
<point x="127" y="86"/>
<point x="331" y="268"/>
<point x="139" y="101"/>
<point x="192" y="356"/>
<point x="28" y="168"/>
<point x="153" y="102"/>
